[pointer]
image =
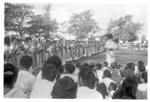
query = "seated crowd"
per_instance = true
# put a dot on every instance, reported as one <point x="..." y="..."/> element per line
<point x="75" y="80"/>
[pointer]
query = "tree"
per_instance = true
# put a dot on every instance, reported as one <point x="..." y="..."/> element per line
<point x="124" y="28"/>
<point x="16" y="17"/>
<point x="43" y="23"/>
<point x="81" y="24"/>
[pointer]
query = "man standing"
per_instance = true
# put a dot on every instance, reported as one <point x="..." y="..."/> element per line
<point x="110" y="47"/>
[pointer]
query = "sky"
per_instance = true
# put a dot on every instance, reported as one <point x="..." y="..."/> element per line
<point x="102" y="13"/>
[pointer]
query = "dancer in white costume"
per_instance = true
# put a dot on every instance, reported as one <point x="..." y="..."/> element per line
<point x="110" y="47"/>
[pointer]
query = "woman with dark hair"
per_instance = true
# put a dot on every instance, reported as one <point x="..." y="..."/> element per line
<point x="64" y="88"/>
<point x="10" y="78"/>
<point x="128" y="89"/>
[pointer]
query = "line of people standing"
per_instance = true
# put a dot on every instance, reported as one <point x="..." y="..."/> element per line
<point x="40" y="48"/>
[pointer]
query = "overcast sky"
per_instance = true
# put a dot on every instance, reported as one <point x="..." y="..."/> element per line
<point x="102" y="13"/>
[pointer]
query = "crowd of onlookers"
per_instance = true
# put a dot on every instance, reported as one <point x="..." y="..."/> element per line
<point x="75" y="80"/>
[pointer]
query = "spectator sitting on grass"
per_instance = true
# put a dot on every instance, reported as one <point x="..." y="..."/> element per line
<point x="116" y="73"/>
<point x="26" y="79"/>
<point x="64" y="88"/>
<point x="99" y="71"/>
<point x="141" y="68"/>
<point x="101" y="88"/>
<point x="87" y="84"/>
<point x="10" y="77"/>
<point x="128" y="89"/>
<point x="105" y="66"/>
<point x="43" y="88"/>
<point x="142" y="87"/>
<point x="69" y="71"/>
<point x="131" y="66"/>
<point x="107" y="80"/>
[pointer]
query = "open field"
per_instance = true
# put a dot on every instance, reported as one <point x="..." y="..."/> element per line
<point x="123" y="56"/>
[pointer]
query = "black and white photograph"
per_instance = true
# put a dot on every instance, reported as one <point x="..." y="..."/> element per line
<point x="75" y="51"/>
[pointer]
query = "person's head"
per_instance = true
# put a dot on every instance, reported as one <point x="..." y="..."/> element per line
<point x="69" y="68"/>
<point x="109" y="36"/>
<point x="7" y="40"/>
<point x="64" y="88"/>
<point x="101" y="88"/>
<point x="85" y="65"/>
<point x="10" y="76"/>
<point x="144" y="77"/>
<point x="92" y="65"/>
<point x="26" y="62"/>
<point x="87" y="77"/>
<point x="140" y="63"/>
<point x="13" y="40"/>
<point x="78" y="64"/>
<point x="105" y="64"/>
<point x="129" y="87"/>
<point x="131" y="66"/>
<point x="141" y="68"/>
<point x="99" y="66"/>
<point x="127" y="73"/>
<point x="114" y="65"/>
<point x="112" y="87"/>
<point x="55" y="60"/>
<point x="49" y="72"/>
<point x="107" y="74"/>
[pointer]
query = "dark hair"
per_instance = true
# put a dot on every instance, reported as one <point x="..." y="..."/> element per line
<point x="91" y="65"/>
<point x="10" y="75"/>
<point x="88" y="77"/>
<point x="85" y="65"/>
<point x="26" y="61"/>
<point x="13" y="39"/>
<point x="101" y="88"/>
<point x="107" y="74"/>
<point x="7" y="40"/>
<point x="141" y="68"/>
<point x="105" y="64"/>
<point x="140" y="63"/>
<point x="114" y="65"/>
<point x="130" y="66"/>
<point x="78" y="64"/>
<point x="55" y="60"/>
<point x="99" y="66"/>
<point x="49" y="72"/>
<point x="128" y="89"/>
<point x="109" y="36"/>
<point x="69" y="67"/>
<point x="113" y="86"/>
<point x="127" y="73"/>
<point x="64" y="88"/>
<point x="144" y="76"/>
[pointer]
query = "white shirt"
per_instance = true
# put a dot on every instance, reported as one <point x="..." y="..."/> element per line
<point x="43" y="89"/>
<point x="85" y="92"/>
<point x="110" y="44"/>
<point x="15" y="93"/>
<point x="25" y="80"/>
<point x="142" y="87"/>
<point x="107" y="82"/>
<point x="74" y="77"/>
<point x="99" y="74"/>
<point x="76" y="72"/>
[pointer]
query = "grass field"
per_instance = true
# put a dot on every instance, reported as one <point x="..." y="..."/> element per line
<point x="123" y="56"/>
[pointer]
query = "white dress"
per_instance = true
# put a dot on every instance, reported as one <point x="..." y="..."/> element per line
<point x="87" y="93"/>
<point x="110" y="54"/>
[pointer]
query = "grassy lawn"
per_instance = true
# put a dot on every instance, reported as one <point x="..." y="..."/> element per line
<point x="123" y="56"/>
